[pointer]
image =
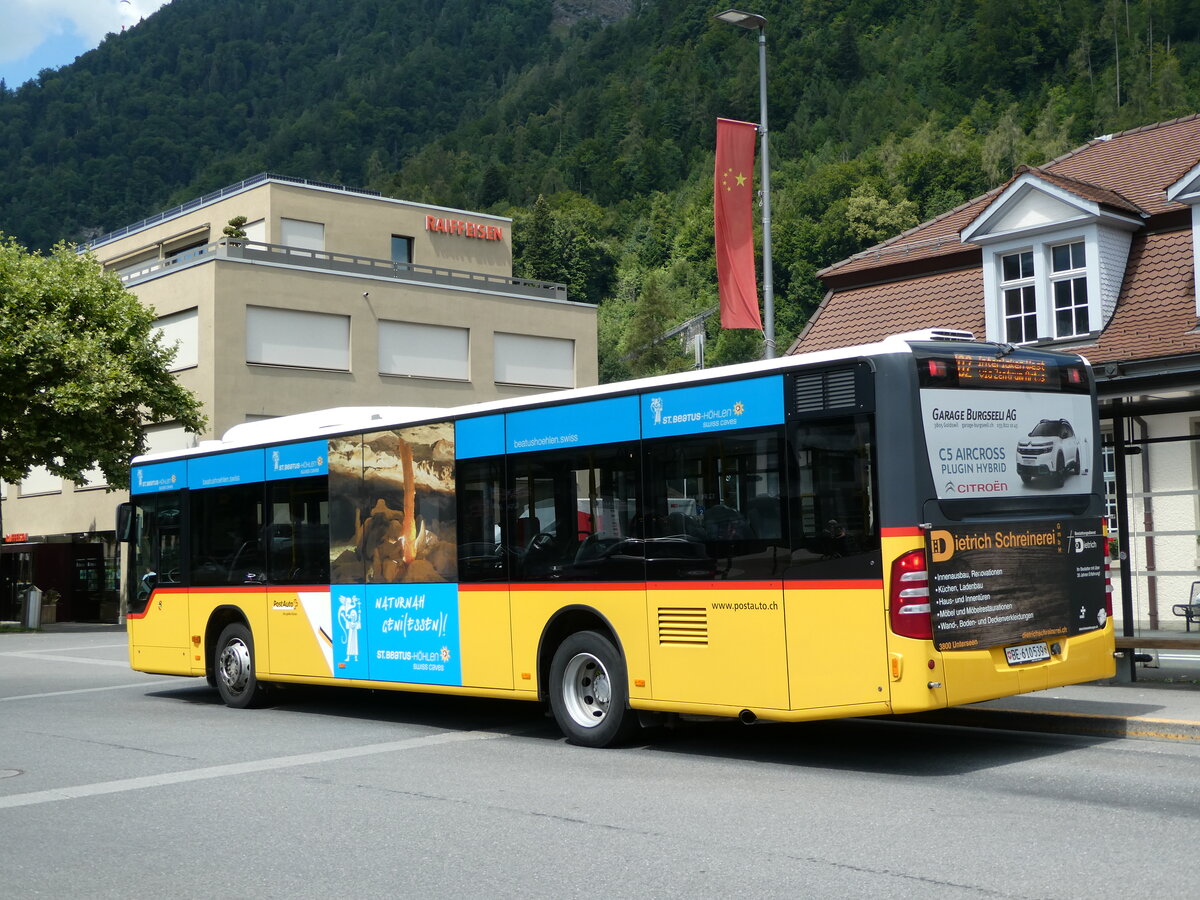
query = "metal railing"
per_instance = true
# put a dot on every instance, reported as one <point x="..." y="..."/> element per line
<point x="346" y="263"/>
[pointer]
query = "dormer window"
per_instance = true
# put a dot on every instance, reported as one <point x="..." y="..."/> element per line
<point x="1020" y="298"/>
<point x="1045" y="277"/>
<point x="1068" y="282"/>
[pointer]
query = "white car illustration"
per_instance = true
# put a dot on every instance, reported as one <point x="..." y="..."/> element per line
<point x="1050" y="451"/>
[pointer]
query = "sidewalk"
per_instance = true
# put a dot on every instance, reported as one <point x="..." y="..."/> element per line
<point x="1161" y="705"/>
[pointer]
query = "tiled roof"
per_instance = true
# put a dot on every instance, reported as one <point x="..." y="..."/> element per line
<point x="1156" y="313"/>
<point x="1082" y="189"/>
<point x="860" y="315"/>
<point x="1130" y="170"/>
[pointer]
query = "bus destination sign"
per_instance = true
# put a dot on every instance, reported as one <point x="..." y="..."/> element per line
<point x="980" y="582"/>
<point x="986" y="371"/>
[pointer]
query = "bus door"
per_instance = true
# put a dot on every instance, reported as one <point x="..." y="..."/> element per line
<point x="156" y="603"/>
<point x="836" y="622"/>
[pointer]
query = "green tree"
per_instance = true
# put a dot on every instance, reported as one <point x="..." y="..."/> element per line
<point x="81" y="368"/>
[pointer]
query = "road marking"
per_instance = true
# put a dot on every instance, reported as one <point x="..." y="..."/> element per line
<point x="111" y="687"/>
<point x="243" y="768"/>
<point x="86" y="660"/>
<point x="64" y="649"/>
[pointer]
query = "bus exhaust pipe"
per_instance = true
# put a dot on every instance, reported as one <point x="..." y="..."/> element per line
<point x="746" y="717"/>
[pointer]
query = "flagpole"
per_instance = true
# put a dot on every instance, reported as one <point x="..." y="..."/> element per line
<point x="755" y="21"/>
<point x="768" y="271"/>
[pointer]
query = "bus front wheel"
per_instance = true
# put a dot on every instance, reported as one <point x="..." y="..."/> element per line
<point x="237" y="683"/>
<point x="588" y="691"/>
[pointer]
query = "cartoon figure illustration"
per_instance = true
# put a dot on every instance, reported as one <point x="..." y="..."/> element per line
<point x="656" y="406"/>
<point x="350" y="619"/>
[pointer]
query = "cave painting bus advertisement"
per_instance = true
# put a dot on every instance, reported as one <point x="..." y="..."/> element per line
<point x="1007" y="443"/>
<point x="980" y="592"/>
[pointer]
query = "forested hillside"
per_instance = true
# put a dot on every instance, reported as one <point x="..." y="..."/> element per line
<point x="592" y="122"/>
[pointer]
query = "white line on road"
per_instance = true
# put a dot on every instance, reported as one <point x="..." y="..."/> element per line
<point x="86" y="660"/>
<point x="63" y="649"/>
<point x="243" y="768"/>
<point x="111" y="687"/>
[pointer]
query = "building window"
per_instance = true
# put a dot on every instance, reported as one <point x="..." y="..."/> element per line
<point x="1068" y="284"/>
<point x="181" y="330"/>
<point x="402" y="250"/>
<point x="538" y="361"/>
<point x="1109" y="454"/>
<point x="302" y="235"/>
<point x="424" y="351"/>
<point x="304" y="340"/>
<point x="40" y="481"/>
<point x="1020" y="297"/>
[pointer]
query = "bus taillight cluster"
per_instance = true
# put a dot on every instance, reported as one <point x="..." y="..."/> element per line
<point x="909" y="607"/>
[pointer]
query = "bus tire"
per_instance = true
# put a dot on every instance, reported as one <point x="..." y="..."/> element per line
<point x="589" y="691"/>
<point x="236" y="679"/>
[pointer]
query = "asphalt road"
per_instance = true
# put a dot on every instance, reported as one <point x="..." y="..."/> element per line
<point x="117" y="784"/>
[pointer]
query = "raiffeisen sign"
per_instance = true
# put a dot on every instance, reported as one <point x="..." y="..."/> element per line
<point x="464" y="229"/>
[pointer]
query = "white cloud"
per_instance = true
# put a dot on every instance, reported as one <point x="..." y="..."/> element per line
<point x="26" y="24"/>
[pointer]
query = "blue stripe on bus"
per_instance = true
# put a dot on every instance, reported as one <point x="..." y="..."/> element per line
<point x="483" y="436"/>
<point x="159" y="477"/>
<point x="298" y="460"/>
<point x="573" y="425"/>
<point x="713" y="407"/>
<point x="243" y="467"/>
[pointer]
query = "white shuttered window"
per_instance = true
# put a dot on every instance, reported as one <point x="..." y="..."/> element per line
<point x="288" y="337"/>
<point x="541" y="361"/>
<point x="424" y="351"/>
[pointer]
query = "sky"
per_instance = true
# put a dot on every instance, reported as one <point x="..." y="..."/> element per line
<point x="47" y="34"/>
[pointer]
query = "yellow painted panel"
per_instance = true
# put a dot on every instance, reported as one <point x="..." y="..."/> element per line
<point x="299" y="624"/>
<point x="714" y="644"/>
<point x="252" y="602"/>
<point x="622" y="606"/>
<point x="159" y="639"/>
<point x="485" y="640"/>
<point x="837" y="644"/>
<point x="974" y="675"/>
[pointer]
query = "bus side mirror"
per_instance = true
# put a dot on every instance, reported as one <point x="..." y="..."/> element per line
<point x="126" y="523"/>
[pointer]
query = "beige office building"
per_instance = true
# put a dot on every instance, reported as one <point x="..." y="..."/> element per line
<point x="334" y="297"/>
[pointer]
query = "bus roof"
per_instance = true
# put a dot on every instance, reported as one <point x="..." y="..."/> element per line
<point x="350" y="419"/>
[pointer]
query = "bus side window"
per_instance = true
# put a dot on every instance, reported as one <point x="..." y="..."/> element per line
<point x="715" y="507"/>
<point x="226" y="535"/>
<point x="480" y="521"/>
<point x="297" y="539"/>
<point x="832" y="494"/>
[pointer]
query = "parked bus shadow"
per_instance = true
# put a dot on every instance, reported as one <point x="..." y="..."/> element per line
<point x="883" y="746"/>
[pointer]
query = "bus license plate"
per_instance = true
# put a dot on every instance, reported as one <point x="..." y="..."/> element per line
<point x="1027" y="653"/>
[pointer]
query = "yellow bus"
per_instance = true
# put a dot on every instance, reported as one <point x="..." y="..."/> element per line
<point x="882" y="529"/>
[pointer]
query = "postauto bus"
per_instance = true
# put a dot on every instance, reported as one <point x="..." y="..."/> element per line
<point x="846" y="533"/>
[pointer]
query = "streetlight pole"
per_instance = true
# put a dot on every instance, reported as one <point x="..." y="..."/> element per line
<point x="753" y="21"/>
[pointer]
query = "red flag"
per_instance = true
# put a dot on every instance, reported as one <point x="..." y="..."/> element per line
<point x="733" y="225"/>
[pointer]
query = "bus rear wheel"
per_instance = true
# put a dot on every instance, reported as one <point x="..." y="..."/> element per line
<point x="588" y="691"/>
<point x="237" y="682"/>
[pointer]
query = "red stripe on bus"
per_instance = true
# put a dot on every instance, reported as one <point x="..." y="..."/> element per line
<point x="862" y="584"/>
<point x="905" y="531"/>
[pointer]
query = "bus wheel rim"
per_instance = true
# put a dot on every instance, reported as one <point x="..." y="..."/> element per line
<point x="587" y="690"/>
<point x="234" y="666"/>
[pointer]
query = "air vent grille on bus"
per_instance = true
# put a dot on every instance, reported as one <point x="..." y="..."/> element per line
<point x="821" y="391"/>
<point x="683" y="625"/>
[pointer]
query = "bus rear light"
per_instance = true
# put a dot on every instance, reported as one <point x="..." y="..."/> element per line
<point x="937" y="368"/>
<point x="909" y="608"/>
<point x="1074" y="375"/>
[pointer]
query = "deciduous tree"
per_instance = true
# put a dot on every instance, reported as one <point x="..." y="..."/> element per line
<point x="82" y="369"/>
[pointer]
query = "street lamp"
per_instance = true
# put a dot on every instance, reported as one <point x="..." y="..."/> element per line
<point x="752" y="21"/>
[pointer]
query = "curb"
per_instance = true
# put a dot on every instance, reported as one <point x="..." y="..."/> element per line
<point x="1085" y="724"/>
